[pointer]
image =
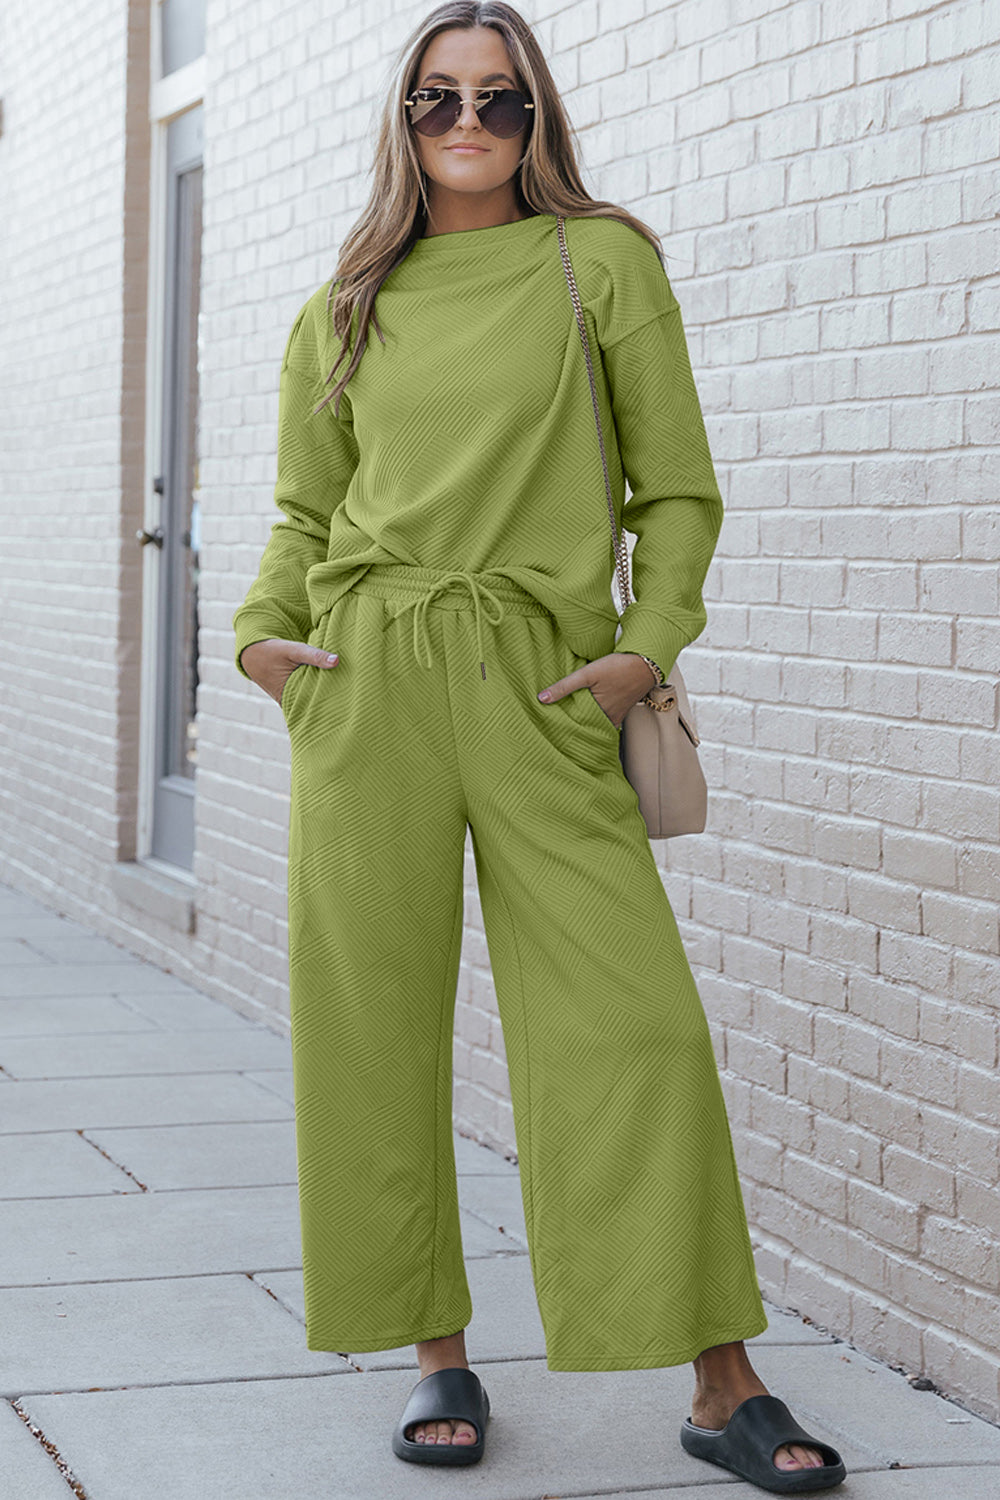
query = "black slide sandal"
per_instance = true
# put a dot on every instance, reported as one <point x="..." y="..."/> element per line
<point x="748" y="1442"/>
<point x="456" y="1394"/>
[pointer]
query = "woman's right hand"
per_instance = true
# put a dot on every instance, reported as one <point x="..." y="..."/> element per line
<point x="270" y="663"/>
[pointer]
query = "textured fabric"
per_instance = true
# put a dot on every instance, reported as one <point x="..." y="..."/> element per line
<point x="467" y="439"/>
<point x="638" y="1239"/>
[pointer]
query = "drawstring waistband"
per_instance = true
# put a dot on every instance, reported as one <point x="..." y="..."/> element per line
<point x="483" y="599"/>
<point x="422" y="587"/>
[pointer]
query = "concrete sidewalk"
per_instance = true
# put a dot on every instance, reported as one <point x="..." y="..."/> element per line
<point x="152" y="1342"/>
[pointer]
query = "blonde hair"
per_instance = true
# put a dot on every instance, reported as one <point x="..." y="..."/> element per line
<point x="547" y="179"/>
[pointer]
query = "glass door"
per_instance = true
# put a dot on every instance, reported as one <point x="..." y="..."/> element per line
<point x="177" y="539"/>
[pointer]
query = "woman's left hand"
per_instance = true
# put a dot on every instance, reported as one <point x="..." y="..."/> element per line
<point x="617" y="681"/>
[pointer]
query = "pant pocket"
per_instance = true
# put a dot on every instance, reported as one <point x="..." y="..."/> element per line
<point x="589" y="738"/>
<point x="323" y="695"/>
<point x="288" y="691"/>
<point x="588" y="697"/>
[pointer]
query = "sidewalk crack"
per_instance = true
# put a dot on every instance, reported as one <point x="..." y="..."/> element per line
<point x="52" y="1451"/>
<point x="108" y="1157"/>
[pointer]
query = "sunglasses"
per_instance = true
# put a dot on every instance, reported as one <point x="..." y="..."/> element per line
<point x="434" y="111"/>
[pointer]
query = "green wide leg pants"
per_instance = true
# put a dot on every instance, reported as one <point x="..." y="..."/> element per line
<point x="638" y="1239"/>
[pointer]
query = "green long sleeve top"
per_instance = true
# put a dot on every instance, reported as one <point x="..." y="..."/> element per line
<point x="467" y="440"/>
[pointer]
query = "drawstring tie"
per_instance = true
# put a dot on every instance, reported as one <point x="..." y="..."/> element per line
<point x="485" y="603"/>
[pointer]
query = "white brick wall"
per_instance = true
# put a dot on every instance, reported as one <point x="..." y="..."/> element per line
<point x="825" y="179"/>
<point x="61" y="338"/>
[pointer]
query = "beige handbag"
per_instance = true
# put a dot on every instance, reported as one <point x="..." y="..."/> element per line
<point x="658" y="741"/>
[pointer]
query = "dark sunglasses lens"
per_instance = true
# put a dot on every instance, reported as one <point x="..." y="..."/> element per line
<point x="505" y="114"/>
<point x="440" y="117"/>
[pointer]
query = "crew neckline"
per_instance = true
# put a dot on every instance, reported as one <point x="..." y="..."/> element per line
<point x="460" y="238"/>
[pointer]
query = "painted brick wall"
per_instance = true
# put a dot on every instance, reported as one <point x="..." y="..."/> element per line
<point x="63" y="83"/>
<point x="825" y="179"/>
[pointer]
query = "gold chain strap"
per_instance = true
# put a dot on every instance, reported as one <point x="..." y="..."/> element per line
<point x="617" y="540"/>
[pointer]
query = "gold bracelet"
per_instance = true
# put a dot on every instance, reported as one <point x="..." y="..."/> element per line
<point x="654" y="669"/>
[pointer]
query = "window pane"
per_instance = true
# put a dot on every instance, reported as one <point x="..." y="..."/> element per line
<point x="182" y="529"/>
<point x="177" y="557"/>
<point x="182" y="32"/>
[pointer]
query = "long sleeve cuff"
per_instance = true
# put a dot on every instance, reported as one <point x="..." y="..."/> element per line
<point x="249" y="637"/>
<point x="266" y="623"/>
<point x="650" y="634"/>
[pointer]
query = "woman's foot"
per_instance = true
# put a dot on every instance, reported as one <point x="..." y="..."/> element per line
<point x="724" y="1377"/>
<point x="442" y="1354"/>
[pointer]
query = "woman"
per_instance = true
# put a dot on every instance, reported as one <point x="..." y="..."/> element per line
<point x="434" y="616"/>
